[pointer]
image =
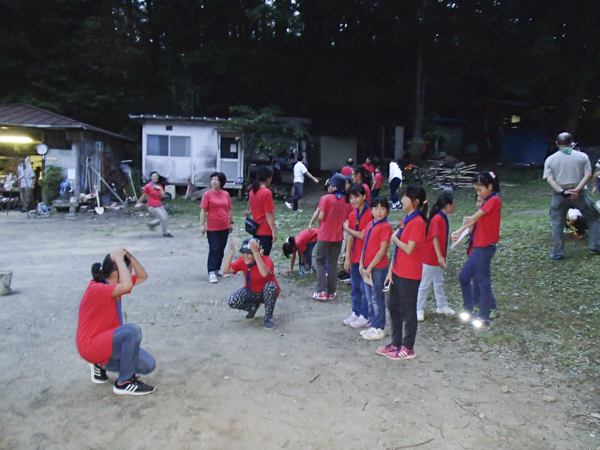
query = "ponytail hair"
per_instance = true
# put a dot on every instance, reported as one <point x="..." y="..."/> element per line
<point x="365" y="174"/>
<point x="100" y="272"/>
<point x="443" y="200"/>
<point x="416" y="193"/>
<point x="263" y="173"/>
<point x="486" y="179"/>
<point x="289" y="247"/>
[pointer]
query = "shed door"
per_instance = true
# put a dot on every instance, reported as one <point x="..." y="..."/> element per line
<point x="229" y="158"/>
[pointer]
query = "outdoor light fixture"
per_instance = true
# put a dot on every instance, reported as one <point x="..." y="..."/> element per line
<point x="16" y="139"/>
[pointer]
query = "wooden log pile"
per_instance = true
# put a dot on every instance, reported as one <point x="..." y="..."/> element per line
<point x="444" y="176"/>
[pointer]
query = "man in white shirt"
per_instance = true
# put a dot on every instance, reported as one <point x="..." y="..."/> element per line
<point x="300" y="171"/>
<point x="568" y="172"/>
<point x="395" y="179"/>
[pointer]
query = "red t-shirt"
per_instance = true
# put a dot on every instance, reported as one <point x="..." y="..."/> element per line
<point x="257" y="281"/>
<point x="369" y="167"/>
<point x="98" y="319"/>
<point x="304" y="238"/>
<point x="437" y="227"/>
<point x="378" y="180"/>
<point x="346" y="171"/>
<point x="260" y="204"/>
<point x="218" y="208"/>
<point x="331" y="228"/>
<point x="380" y="233"/>
<point x="364" y="222"/>
<point x="411" y="266"/>
<point x="487" y="229"/>
<point x="153" y="194"/>
<point x="368" y="191"/>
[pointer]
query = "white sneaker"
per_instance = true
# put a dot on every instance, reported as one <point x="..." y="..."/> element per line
<point x="446" y="310"/>
<point x="374" y="334"/>
<point x="221" y="274"/>
<point x="420" y="315"/>
<point x="212" y="277"/>
<point x="361" y="322"/>
<point x="350" y="319"/>
<point x="363" y="332"/>
<point x="289" y="205"/>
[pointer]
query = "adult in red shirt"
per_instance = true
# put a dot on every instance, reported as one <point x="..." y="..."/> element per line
<point x="216" y="221"/>
<point x="102" y="338"/>
<point x="377" y="182"/>
<point x="434" y="258"/>
<point x="404" y="275"/>
<point x="303" y="244"/>
<point x="261" y="206"/>
<point x="155" y="192"/>
<point x="332" y="212"/>
<point x="484" y="237"/>
<point x="261" y="285"/>
<point x="367" y="165"/>
<point x="360" y="175"/>
<point x="347" y="169"/>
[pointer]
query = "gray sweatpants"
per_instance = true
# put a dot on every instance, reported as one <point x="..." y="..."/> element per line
<point x="558" y="213"/>
<point x="162" y="217"/>
<point x="431" y="275"/>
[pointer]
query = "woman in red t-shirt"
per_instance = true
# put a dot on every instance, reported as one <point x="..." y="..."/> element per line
<point x="434" y="259"/>
<point x="216" y="221"/>
<point x="154" y="192"/>
<point x="261" y="285"/>
<point x="484" y="237"/>
<point x="303" y="244"/>
<point x="404" y="275"/>
<point x="102" y="338"/>
<point x="261" y="206"/>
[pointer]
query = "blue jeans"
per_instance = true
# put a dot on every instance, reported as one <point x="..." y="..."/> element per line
<point x="478" y="267"/>
<point x="360" y="306"/>
<point x="376" y="298"/>
<point x="477" y="296"/>
<point x="307" y="255"/>
<point x="375" y="193"/>
<point x="394" y="185"/>
<point x="127" y="356"/>
<point x="298" y="193"/>
<point x="217" y="241"/>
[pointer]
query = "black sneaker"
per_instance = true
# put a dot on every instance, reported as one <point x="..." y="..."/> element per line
<point x="557" y="257"/>
<point x="250" y="315"/>
<point x="269" y="325"/>
<point x="133" y="386"/>
<point x="167" y="235"/>
<point x="98" y="374"/>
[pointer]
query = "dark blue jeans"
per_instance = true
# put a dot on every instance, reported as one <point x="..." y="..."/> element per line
<point x="266" y="242"/>
<point x="217" y="241"/>
<point x="477" y="296"/>
<point x="360" y="306"/>
<point x="127" y="356"/>
<point x="376" y="298"/>
<point x="307" y="255"/>
<point x="479" y="268"/>
<point x="298" y="193"/>
<point x="375" y="193"/>
<point x="394" y="185"/>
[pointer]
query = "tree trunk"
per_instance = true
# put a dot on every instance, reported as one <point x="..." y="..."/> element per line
<point x="417" y="137"/>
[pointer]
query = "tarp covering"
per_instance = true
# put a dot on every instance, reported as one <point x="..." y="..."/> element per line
<point x="524" y="146"/>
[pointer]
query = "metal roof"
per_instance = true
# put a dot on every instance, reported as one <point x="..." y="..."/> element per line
<point x="23" y="115"/>
<point x="164" y="118"/>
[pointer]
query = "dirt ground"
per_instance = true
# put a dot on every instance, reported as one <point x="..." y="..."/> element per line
<point x="223" y="382"/>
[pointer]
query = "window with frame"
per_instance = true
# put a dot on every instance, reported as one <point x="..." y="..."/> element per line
<point x="176" y="146"/>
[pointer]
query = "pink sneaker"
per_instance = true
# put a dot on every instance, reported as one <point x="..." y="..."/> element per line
<point x="383" y="351"/>
<point x="401" y="354"/>
<point x="332" y="296"/>
<point x="320" y="296"/>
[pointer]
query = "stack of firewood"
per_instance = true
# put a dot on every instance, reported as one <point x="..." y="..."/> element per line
<point x="449" y="176"/>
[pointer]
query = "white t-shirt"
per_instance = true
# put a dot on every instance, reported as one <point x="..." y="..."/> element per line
<point x="395" y="171"/>
<point x="573" y="213"/>
<point x="299" y="171"/>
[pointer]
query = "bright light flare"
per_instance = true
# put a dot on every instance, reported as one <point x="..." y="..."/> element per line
<point x="464" y="316"/>
<point x="16" y="139"/>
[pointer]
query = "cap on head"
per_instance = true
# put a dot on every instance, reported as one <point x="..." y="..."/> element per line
<point x="564" y="139"/>
<point x="338" y="181"/>
<point x="245" y="248"/>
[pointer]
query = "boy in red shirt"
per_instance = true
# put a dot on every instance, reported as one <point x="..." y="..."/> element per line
<point x="377" y="182"/>
<point x="261" y="285"/>
<point x="332" y="212"/>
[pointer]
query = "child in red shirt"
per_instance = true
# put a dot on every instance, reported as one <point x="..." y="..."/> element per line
<point x="262" y="208"/>
<point x="102" y="339"/>
<point x="373" y="267"/>
<point x="377" y="182"/>
<point x="332" y="212"/>
<point x="155" y="192"/>
<point x="358" y="220"/>
<point x="484" y="237"/>
<point x="360" y="175"/>
<point x="404" y="275"/>
<point x="261" y="285"/>
<point x="303" y="243"/>
<point x="434" y="259"/>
